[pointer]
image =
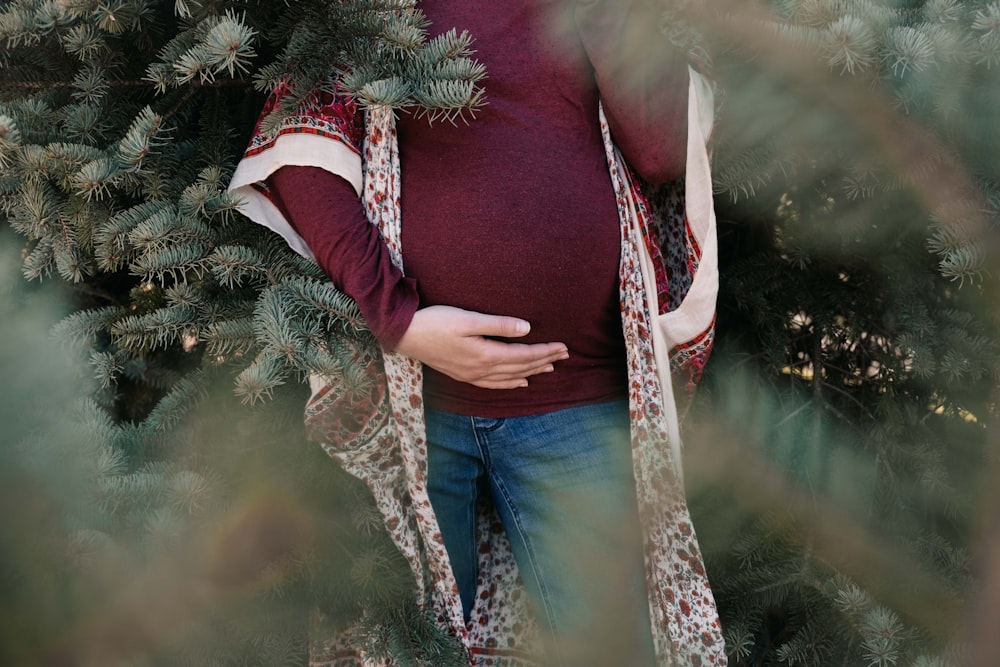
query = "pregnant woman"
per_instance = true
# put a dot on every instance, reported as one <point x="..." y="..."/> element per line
<point x="507" y="268"/>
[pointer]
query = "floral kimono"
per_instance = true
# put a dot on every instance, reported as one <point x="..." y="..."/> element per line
<point x="668" y="284"/>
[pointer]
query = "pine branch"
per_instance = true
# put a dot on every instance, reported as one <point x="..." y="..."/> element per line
<point x="119" y="83"/>
<point x="231" y="337"/>
<point x="186" y="394"/>
<point x="159" y="329"/>
<point x="258" y="381"/>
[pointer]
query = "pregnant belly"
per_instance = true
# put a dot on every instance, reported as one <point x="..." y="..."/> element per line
<point x="559" y="274"/>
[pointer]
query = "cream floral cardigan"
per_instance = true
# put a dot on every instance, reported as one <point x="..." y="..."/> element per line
<point x="668" y="285"/>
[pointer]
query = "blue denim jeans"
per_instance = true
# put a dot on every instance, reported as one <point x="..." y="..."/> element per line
<point x="563" y="486"/>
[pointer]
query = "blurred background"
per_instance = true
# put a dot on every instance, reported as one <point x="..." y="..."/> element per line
<point x="160" y="504"/>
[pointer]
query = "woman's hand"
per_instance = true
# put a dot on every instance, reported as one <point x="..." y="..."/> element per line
<point x="454" y="342"/>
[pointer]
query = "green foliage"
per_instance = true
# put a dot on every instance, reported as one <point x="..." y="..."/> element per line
<point x="930" y="65"/>
<point x="853" y="391"/>
<point x="380" y="54"/>
<point x="120" y="125"/>
<point x="855" y="376"/>
<point x="163" y="529"/>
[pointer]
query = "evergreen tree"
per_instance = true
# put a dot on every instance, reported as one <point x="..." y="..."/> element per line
<point x="855" y="157"/>
<point x="119" y="127"/>
<point x="855" y="377"/>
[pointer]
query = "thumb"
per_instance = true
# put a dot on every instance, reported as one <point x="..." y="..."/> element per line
<point x="499" y="325"/>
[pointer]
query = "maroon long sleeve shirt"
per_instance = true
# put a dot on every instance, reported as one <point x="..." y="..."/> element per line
<point x="513" y="213"/>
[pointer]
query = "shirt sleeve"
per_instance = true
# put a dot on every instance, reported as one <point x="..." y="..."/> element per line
<point x="325" y="211"/>
<point x="643" y="82"/>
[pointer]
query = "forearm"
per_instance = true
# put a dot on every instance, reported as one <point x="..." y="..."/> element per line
<point x="324" y="209"/>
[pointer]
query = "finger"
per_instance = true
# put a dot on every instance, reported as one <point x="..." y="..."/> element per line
<point x="517" y="383"/>
<point x="507" y="356"/>
<point x="519" y="371"/>
<point x="509" y="376"/>
<point x="481" y="324"/>
<point x="552" y="357"/>
<point x="543" y="368"/>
